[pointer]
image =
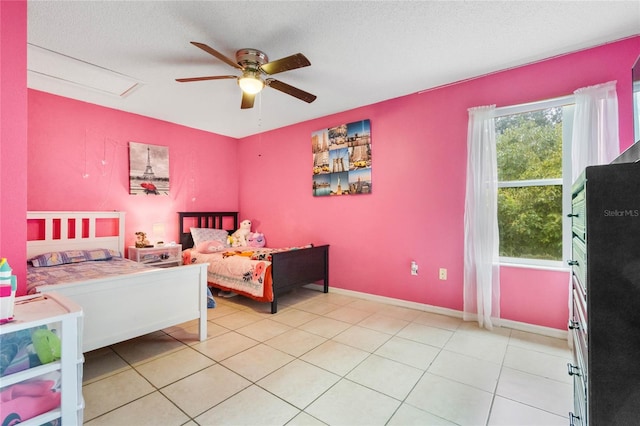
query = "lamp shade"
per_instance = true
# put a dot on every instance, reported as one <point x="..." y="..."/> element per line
<point x="158" y="230"/>
<point x="250" y="83"/>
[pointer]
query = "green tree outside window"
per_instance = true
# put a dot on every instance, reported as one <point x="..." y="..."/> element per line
<point x="529" y="156"/>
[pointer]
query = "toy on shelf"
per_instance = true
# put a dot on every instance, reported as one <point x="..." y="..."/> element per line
<point x="8" y="287"/>
<point x="141" y="240"/>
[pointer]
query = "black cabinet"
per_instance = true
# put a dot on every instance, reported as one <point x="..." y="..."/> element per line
<point x="605" y="319"/>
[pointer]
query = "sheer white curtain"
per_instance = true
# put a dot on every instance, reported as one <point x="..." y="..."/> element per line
<point x="481" y="267"/>
<point x="595" y="127"/>
<point x="594" y="137"/>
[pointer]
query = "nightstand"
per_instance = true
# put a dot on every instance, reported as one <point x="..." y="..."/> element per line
<point x="162" y="257"/>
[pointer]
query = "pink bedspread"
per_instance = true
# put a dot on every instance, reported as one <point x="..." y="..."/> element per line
<point x="237" y="272"/>
<point x="242" y="269"/>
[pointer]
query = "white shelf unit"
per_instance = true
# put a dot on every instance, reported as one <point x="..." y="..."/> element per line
<point x="59" y="313"/>
<point x="163" y="257"/>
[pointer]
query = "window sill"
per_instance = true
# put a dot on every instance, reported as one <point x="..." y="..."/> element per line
<point x="548" y="267"/>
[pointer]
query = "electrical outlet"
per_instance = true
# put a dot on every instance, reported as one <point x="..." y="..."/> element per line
<point x="443" y="274"/>
<point x="414" y="268"/>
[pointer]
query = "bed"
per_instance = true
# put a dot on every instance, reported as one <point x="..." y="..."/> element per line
<point x="121" y="306"/>
<point x="284" y="269"/>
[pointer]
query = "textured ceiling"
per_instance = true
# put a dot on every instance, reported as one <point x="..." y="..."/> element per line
<point x="361" y="52"/>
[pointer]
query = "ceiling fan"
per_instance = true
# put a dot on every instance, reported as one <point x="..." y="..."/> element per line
<point x="254" y="64"/>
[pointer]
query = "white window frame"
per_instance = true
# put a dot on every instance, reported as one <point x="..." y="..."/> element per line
<point x="567" y="102"/>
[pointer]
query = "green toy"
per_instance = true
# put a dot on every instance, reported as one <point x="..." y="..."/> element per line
<point x="47" y="345"/>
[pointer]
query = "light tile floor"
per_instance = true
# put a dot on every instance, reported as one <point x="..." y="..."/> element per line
<point x="329" y="359"/>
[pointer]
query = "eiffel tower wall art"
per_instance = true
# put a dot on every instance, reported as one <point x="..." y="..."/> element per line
<point x="342" y="159"/>
<point x="148" y="169"/>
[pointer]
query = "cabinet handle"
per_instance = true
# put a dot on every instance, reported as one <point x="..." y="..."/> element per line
<point x="574" y="325"/>
<point x="573" y="370"/>
<point x="572" y="262"/>
<point x="573" y="417"/>
<point x="573" y="215"/>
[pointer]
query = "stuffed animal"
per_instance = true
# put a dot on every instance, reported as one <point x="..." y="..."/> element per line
<point x="47" y="345"/>
<point x="210" y="246"/>
<point x="241" y="234"/>
<point x="255" y="239"/>
<point x="141" y="240"/>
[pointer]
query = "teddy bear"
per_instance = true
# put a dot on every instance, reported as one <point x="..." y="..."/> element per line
<point x="241" y="234"/>
<point x="141" y="240"/>
<point x="255" y="239"/>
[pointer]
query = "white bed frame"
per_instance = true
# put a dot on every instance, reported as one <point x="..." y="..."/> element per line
<point x="127" y="306"/>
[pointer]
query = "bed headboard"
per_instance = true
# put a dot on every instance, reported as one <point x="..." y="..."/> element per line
<point x="216" y="220"/>
<point x="63" y="230"/>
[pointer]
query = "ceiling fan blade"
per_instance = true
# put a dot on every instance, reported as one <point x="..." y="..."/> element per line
<point x="290" y="90"/>
<point x="217" y="54"/>
<point x="247" y="100"/>
<point x="285" y="64"/>
<point x="213" y="77"/>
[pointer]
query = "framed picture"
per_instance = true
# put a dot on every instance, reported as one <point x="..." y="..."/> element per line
<point x="148" y="169"/>
<point x="342" y="159"/>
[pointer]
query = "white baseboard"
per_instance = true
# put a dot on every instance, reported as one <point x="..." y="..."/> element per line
<point x="532" y="328"/>
<point x="500" y="322"/>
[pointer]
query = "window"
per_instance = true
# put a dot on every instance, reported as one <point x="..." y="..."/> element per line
<point x="533" y="156"/>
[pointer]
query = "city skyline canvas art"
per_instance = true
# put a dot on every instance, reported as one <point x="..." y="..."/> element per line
<point x="342" y="159"/>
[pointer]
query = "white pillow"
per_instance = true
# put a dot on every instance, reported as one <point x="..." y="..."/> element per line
<point x="200" y="235"/>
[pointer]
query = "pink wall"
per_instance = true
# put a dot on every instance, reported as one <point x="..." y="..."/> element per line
<point x="546" y="306"/>
<point x="13" y="134"/>
<point x="63" y="131"/>
<point x="417" y="204"/>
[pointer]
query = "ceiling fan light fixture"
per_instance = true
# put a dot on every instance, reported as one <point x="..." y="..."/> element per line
<point x="254" y="65"/>
<point x="250" y="82"/>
